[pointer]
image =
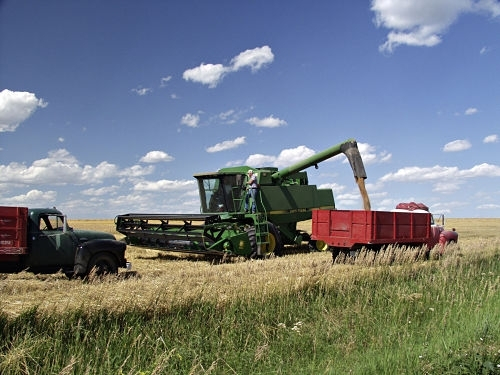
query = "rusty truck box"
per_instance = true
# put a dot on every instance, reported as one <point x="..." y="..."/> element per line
<point x="355" y="228"/>
<point x="13" y="231"/>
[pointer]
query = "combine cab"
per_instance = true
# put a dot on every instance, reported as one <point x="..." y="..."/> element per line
<point x="283" y="199"/>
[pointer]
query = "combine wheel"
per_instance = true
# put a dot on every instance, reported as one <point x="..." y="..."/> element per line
<point x="253" y="241"/>
<point x="275" y="243"/>
<point x="102" y="264"/>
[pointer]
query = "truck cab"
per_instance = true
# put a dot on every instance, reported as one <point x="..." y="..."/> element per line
<point x="41" y="240"/>
<point x="52" y="242"/>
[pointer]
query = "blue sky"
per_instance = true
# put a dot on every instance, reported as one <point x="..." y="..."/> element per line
<point x="109" y="107"/>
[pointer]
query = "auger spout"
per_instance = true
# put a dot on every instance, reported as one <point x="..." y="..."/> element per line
<point x="349" y="148"/>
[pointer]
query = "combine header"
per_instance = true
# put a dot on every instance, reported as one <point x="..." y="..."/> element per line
<point x="284" y="198"/>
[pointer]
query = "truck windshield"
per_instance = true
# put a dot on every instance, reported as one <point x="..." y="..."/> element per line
<point x="221" y="194"/>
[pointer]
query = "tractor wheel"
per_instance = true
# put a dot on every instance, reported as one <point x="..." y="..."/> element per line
<point x="102" y="264"/>
<point x="274" y="243"/>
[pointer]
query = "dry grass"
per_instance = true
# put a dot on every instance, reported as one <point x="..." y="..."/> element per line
<point x="165" y="279"/>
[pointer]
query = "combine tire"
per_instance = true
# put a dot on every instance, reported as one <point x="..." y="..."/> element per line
<point x="253" y="241"/>
<point x="102" y="264"/>
<point x="275" y="243"/>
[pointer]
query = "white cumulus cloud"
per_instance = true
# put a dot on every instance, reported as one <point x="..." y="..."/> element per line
<point x="163" y="185"/>
<point x="439" y="174"/>
<point x="33" y="198"/>
<point x="141" y="91"/>
<point x="424" y="22"/>
<point x="212" y="74"/>
<point x="286" y="157"/>
<point x="165" y="80"/>
<point x="227" y="145"/>
<point x="493" y="138"/>
<point x="266" y="122"/>
<point x="60" y="167"/>
<point x="458" y="145"/>
<point x="156" y="157"/>
<point x="369" y="154"/>
<point x="206" y="74"/>
<point x="260" y="160"/>
<point x="190" y="120"/>
<point x="98" y="192"/>
<point x="16" y="107"/>
<point x="254" y="58"/>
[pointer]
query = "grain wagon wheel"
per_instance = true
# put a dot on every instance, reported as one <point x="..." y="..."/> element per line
<point x="335" y="253"/>
<point x="318" y="245"/>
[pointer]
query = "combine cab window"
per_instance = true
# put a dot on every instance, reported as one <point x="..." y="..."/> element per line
<point x="221" y="193"/>
<point x="213" y="195"/>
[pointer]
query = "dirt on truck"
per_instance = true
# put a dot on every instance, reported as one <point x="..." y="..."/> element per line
<point x="41" y="240"/>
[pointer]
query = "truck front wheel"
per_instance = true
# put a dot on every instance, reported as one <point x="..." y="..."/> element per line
<point x="102" y="264"/>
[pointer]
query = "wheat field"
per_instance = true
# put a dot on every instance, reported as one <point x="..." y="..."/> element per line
<point x="300" y="313"/>
<point x="167" y="278"/>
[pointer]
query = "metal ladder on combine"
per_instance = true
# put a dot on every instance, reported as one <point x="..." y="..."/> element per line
<point x="261" y="226"/>
<point x="262" y="236"/>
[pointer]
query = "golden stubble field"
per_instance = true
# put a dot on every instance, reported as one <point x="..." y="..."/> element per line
<point x="165" y="278"/>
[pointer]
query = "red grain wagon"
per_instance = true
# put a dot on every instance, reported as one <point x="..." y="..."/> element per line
<point x="350" y="230"/>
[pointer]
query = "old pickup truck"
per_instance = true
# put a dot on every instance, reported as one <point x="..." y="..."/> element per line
<point x="40" y="240"/>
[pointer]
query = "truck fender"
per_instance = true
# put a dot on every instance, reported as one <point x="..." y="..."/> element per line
<point x="87" y="250"/>
<point x="446" y="237"/>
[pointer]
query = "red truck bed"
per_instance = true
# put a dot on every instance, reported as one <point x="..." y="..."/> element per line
<point x="13" y="231"/>
<point x="355" y="228"/>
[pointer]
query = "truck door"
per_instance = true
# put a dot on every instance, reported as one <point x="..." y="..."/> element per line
<point x="52" y="243"/>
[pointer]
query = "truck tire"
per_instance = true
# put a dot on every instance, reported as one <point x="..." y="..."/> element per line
<point x="103" y="264"/>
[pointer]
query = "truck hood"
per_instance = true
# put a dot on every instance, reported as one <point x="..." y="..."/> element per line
<point x="87" y="235"/>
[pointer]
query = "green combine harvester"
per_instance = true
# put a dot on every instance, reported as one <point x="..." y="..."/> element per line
<point x="283" y="199"/>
